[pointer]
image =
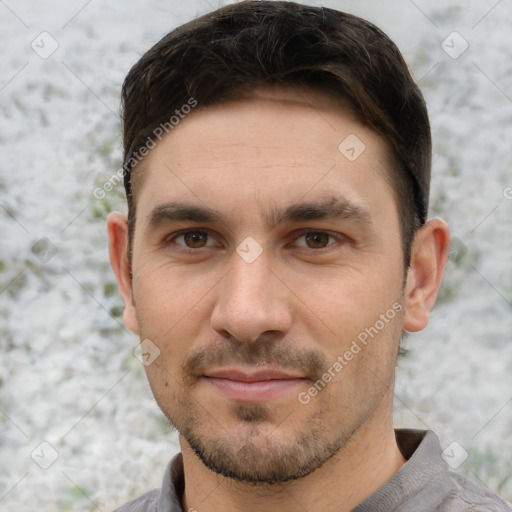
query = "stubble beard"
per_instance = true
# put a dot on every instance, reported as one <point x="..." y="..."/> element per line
<point x="256" y="454"/>
<point x="256" y="451"/>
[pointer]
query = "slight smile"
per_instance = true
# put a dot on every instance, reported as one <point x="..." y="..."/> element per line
<point x="255" y="387"/>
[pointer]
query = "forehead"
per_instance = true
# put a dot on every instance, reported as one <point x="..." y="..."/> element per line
<point x="273" y="140"/>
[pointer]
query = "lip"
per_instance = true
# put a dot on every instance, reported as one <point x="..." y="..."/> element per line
<point x="251" y="376"/>
<point x="252" y="386"/>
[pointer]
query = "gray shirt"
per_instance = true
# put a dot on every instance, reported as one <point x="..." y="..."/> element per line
<point x="422" y="484"/>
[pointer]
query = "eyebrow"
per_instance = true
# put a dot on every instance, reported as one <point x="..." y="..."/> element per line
<point x="174" y="211"/>
<point x="333" y="208"/>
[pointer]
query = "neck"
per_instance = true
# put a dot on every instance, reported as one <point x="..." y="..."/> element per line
<point x="362" y="466"/>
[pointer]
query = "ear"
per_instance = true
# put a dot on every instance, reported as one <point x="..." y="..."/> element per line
<point x="117" y="226"/>
<point x="429" y="255"/>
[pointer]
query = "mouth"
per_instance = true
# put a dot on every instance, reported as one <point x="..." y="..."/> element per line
<point x="254" y="386"/>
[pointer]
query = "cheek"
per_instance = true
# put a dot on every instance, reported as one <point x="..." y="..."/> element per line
<point x="360" y="331"/>
<point x="346" y="301"/>
<point x="171" y="310"/>
<point x="163" y="297"/>
<point x="364" y="363"/>
<point x="166" y="385"/>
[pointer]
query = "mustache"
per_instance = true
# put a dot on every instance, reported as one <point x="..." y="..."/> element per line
<point x="265" y="353"/>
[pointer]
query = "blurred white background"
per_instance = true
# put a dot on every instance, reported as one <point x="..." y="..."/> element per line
<point x="68" y="375"/>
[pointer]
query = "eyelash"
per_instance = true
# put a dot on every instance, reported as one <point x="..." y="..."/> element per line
<point x="172" y="239"/>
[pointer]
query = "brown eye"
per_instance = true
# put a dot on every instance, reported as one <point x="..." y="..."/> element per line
<point x="317" y="240"/>
<point x="194" y="239"/>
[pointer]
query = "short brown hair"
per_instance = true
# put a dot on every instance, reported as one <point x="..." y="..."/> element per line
<point x="257" y="43"/>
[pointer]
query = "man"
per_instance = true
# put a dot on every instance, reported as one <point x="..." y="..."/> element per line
<point x="277" y="170"/>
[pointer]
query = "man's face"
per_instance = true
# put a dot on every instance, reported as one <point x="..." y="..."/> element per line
<point x="262" y="252"/>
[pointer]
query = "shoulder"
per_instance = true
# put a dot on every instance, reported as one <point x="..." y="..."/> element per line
<point x="451" y="492"/>
<point x="474" y="496"/>
<point x="165" y="499"/>
<point x="145" y="503"/>
<point x="425" y="482"/>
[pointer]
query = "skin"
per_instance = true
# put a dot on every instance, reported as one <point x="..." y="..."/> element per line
<point x="297" y="307"/>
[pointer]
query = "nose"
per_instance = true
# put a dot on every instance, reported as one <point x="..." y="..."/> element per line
<point x="251" y="301"/>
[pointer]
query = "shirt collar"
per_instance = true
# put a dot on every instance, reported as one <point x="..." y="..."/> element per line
<point x="422" y="450"/>
<point x="172" y="486"/>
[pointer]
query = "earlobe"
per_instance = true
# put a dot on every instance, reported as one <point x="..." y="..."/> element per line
<point x="117" y="226"/>
<point x="428" y="260"/>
